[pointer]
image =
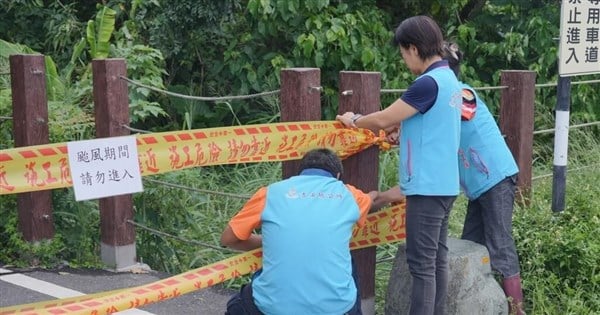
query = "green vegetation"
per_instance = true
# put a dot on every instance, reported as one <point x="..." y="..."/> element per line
<point x="235" y="47"/>
<point x="558" y="251"/>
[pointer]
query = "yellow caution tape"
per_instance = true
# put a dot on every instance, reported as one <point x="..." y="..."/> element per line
<point x="43" y="167"/>
<point x="382" y="227"/>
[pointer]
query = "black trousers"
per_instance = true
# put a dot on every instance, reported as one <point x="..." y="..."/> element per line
<point x="242" y="303"/>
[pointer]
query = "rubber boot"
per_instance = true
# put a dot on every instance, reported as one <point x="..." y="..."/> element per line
<point x="514" y="293"/>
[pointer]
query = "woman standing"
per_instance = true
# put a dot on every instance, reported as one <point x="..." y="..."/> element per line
<point x="488" y="175"/>
<point x="428" y="115"/>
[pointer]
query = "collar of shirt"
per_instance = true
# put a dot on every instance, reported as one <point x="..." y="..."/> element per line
<point x="316" y="171"/>
<point x="437" y="64"/>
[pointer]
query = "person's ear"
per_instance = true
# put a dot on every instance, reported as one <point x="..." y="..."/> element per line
<point x="414" y="49"/>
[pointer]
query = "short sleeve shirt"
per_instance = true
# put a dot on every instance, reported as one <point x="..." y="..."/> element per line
<point x="422" y="93"/>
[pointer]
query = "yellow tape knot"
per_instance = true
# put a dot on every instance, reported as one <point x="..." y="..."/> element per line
<point x="382" y="142"/>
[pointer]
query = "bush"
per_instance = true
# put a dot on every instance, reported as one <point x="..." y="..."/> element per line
<point x="559" y="251"/>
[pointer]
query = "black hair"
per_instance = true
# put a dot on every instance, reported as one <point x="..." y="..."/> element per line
<point x="324" y="159"/>
<point x="423" y="32"/>
<point x="453" y="55"/>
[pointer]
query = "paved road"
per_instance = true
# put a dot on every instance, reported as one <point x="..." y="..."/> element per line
<point x="22" y="287"/>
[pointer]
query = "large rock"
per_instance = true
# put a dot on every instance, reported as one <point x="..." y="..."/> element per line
<point x="472" y="289"/>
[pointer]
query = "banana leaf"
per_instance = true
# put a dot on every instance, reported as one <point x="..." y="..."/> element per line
<point x="55" y="87"/>
<point x="99" y="31"/>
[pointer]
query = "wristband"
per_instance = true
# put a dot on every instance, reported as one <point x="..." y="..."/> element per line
<point x="354" y="118"/>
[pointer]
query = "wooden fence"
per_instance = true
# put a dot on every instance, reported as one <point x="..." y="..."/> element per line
<point x="300" y="101"/>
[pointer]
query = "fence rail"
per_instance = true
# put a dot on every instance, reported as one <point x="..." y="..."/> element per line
<point x="300" y="100"/>
<point x="201" y="98"/>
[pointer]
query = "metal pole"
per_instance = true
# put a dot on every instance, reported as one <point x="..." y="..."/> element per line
<point x="561" y="143"/>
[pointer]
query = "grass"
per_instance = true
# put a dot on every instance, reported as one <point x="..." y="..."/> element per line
<point x="559" y="252"/>
<point x="549" y="280"/>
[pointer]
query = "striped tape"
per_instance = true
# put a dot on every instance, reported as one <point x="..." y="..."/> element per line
<point x="43" y="167"/>
<point x="382" y="227"/>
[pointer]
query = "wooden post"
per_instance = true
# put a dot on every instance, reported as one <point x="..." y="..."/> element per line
<point x="30" y="127"/>
<point x="111" y="103"/>
<point x="300" y="98"/>
<point x="516" y="123"/>
<point x="360" y="93"/>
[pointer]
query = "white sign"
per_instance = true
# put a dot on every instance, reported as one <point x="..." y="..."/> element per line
<point x="104" y="167"/>
<point x="579" y="37"/>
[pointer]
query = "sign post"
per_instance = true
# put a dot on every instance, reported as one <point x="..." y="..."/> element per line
<point x="578" y="55"/>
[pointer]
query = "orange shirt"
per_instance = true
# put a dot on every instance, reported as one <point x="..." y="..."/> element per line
<point x="248" y="218"/>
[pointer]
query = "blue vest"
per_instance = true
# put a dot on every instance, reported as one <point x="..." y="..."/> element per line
<point x="484" y="157"/>
<point x="306" y="228"/>
<point x="429" y="142"/>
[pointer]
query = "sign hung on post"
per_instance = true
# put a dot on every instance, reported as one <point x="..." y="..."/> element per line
<point x="104" y="167"/>
<point x="579" y="37"/>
